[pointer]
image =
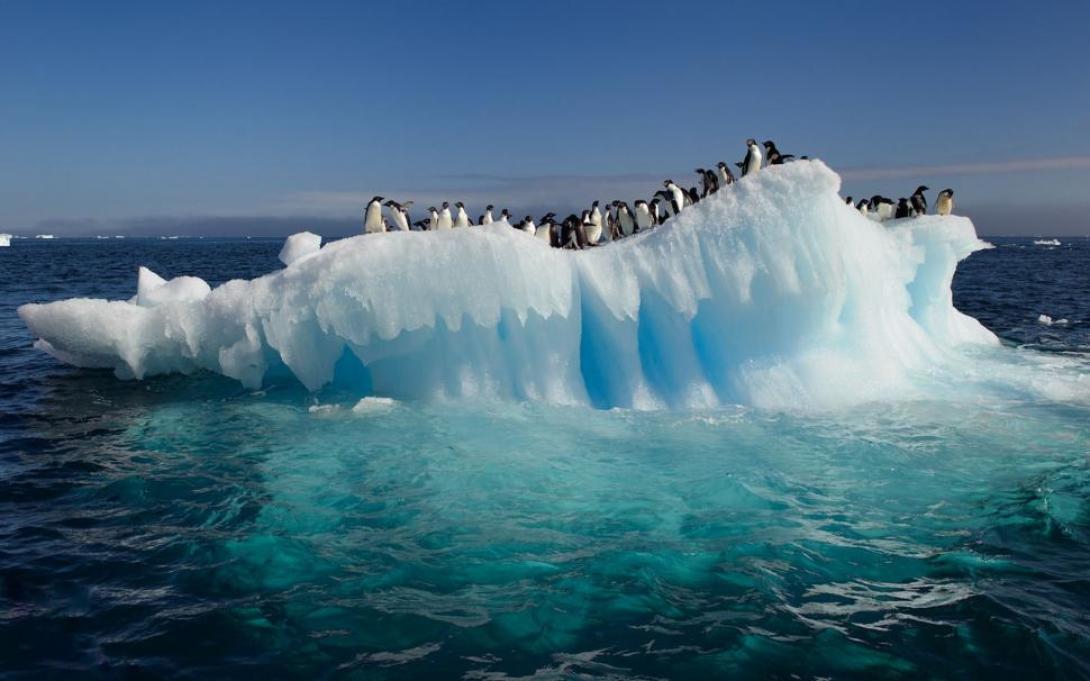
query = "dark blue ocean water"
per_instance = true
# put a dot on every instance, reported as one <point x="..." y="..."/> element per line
<point x="186" y="527"/>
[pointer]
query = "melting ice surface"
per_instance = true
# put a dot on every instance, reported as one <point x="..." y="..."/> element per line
<point x="771" y="294"/>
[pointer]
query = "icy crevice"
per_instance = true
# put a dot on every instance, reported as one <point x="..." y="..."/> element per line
<point x="771" y="293"/>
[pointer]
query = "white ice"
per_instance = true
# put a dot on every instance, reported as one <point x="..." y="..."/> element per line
<point x="770" y="293"/>
<point x="299" y="246"/>
<point x="1048" y="321"/>
<point x="1047" y="242"/>
<point x="5" y="240"/>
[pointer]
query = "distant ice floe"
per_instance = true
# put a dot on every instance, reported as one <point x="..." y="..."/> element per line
<point x="1048" y="321"/>
<point x="43" y="236"/>
<point x="1047" y="242"/>
<point x="771" y="293"/>
<point x="5" y="240"/>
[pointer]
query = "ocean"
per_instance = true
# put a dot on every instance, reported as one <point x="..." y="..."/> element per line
<point x="187" y="527"/>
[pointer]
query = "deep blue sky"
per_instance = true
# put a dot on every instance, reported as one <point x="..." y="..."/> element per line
<point x="171" y="116"/>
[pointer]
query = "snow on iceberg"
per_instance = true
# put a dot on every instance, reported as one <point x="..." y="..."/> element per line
<point x="299" y="246"/>
<point x="772" y="293"/>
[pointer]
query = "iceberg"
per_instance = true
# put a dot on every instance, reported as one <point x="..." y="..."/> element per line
<point x="5" y="240"/>
<point x="772" y="293"/>
<point x="1047" y="242"/>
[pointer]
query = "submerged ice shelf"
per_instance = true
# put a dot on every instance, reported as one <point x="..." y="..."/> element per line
<point x="771" y="293"/>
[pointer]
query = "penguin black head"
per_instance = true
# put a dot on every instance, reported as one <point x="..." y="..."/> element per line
<point x="376" y="198"/>
<point x="751" y="142"/>
<point x="948" y="192"/>
<point x="548" y="217"/>
<point x="594" y="205"/>
<point x="488" y="207"/>
<point x="432" y="209"/>
<point x="848" y="201"/>
<point x="667" y="183"/>
<point x="391" y="204"/>
<point x="459" y="204"/>
<point x="921" y="189"/>
<point x="446" y="205"/>
<point x="769" y="144"/>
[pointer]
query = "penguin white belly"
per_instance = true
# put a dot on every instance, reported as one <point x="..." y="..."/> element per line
<point x="594" y="232"/>
<point x="945" y="205"/>
<point x="444" y="220"/>
<point x="543" y="232"/>
<point x="372" y="222"/>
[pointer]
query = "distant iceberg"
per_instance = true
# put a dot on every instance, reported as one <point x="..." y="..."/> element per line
<point x="5" y="240"/>
<point x="770" y="293"/>
<point x="43" y="236"/>
<point x="1047" y="242"/>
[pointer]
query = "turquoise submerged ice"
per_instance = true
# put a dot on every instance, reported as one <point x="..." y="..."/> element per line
<point x="771" y="294"/>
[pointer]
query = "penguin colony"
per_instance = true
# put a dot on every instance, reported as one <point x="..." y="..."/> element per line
<point x="617" y="219"/>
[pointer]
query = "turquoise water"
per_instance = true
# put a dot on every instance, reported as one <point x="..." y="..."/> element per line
<point x="185" y="526"/>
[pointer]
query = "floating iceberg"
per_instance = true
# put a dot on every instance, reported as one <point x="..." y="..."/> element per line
<point x="771" y="293"/>
<point x="5" y="240"/>
<point x="1045" y="320"/>
<point x="1047" y="242"/>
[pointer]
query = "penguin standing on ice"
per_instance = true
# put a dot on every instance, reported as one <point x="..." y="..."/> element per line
<point x="626" y="224"/>
<point x="400" y="214"/>
<point x="505" y="215"/>
<point x="944" y="205"/>
<point x="372" y="217"/>
<point x="444" y="221"/>
<point x="644" y="220"/>
<point x="903" y="209"/>
<point x="775" y="158"/>
<point x="486" y="219"/>
<point x="527" y="225"/>
<point x="591" y="232"/>
<point x="461" y="219"/>
<point x="863" y="206"/>
<point x="752" y="162"/>
<point x="919" y="201"/>
<point x="656" y="209"/>
<point x="725" y="175"/>
<point x="545" y="229"/>
<point x="709" y="183"/>
<point x="881" y="207"/>
<point x="594" y="232"/>
<point x="677" y="195"/>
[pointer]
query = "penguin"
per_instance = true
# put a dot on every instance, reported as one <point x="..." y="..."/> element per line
<point x="421" y="225"/>
<point x="486" y="219"/>
<point x="400" y="214"/>
<point x="666" y="202"/>
<point x="626" y="224"/>
<point x="677" y="195"/>
<point x="527" y="225"/>
<point x="594" y="232"/>
<point x="775" y="158"/>
<point x="461" y="219"/>
<point x="919" y="201"/>
<point x="545" y="228"/>
<point x="372" y="217"/>
<point x="506" y="216"/>
<point x="863" y="206"/>
<point x="752" y="162"/>
<point x="694" y="197"/>
<point x="903" y="211"/>
<point x="591" y="232"/>
<point x="444" y="221"/>
<point x="709" y="184"/>
<point x="881" y="207"/>
<point x="848" y="200"/>
<point x="944" y="205"/>
<point x="644" y="220"/>
<point x="609" y="224"/>
<point x="656" y="211"/>
<point x="433" y="219"/>
<point x="725" y="175"/>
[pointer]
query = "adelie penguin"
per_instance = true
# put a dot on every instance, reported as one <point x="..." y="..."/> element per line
<point x="399" y="212"/>
<point x="444" y="221"/>
<point x="506" y="216"/>
<point x="919" y="202"/>
<point x="881" y="207"/>
<point x="709" y="183"/>
<point x="644" y="220"/>
<point x="752" y="162"/>
<point x="775" y="158"/>
<point x="486" y="219"/>
<point x="903" y="209"/>
<point x="863" y="206"/>
<point x="545" y="228"/>
<point x="527" y="225"/>
<point x="677" y="195"/>
<point x="594" y="232"/>
<point x="372" y="217"/>
<point x="461" y="219"/>
<point x="724" y="174"/>
<point x="626" y="223"/>
<point x="944" y="205"/>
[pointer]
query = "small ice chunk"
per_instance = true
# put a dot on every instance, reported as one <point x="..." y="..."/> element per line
<point x="1049" y="321"/>
<point x="152" y="290"/>
<point x="43" y="236"/>
<point x="1047" y="242"/>
<point x="374" y="405"/>
<point x="5" y="240"/>
<point x="299" y="246"/>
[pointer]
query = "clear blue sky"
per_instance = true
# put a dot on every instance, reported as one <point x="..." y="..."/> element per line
<point x="136" y="115"/>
